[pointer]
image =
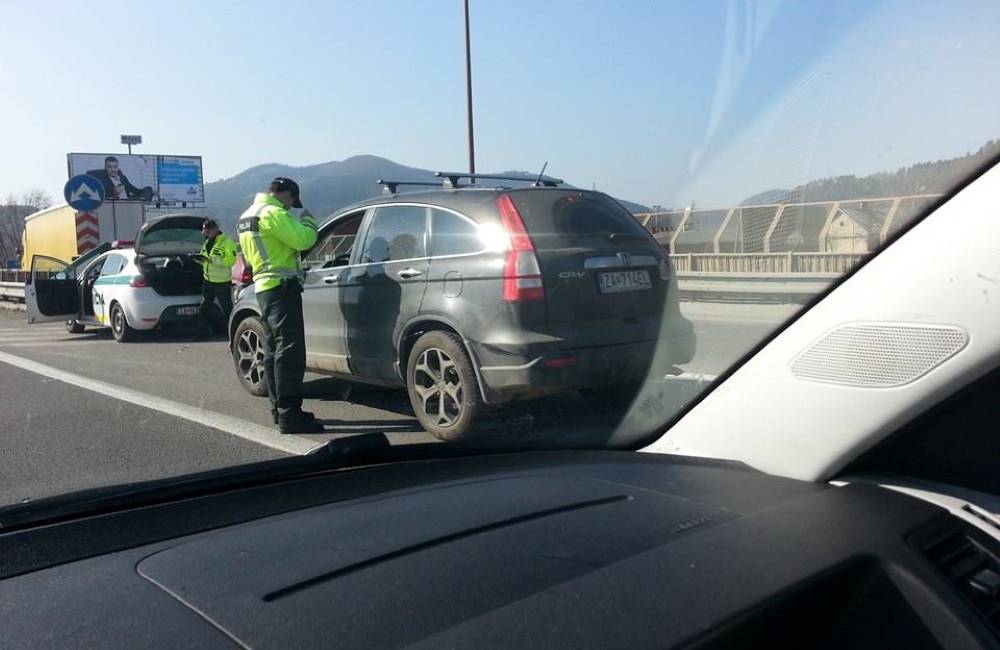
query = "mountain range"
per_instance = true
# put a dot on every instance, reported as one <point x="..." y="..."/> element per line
<point x="326" y="187"/>
<point x="934" y="177"/>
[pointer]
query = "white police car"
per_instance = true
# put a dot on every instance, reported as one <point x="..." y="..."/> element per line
<point x="126" y="286"/>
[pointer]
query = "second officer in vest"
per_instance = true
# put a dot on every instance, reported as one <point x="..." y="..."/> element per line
<point x="272" y="240"/>
<point x="218" y="254"/>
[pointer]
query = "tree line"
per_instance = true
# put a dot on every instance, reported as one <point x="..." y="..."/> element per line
<point x="13" y="210"/>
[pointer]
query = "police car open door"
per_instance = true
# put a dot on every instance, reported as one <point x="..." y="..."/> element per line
<point x="51" y="292"/>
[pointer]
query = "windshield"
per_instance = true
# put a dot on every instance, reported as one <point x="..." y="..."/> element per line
<point x="662" y="193"/>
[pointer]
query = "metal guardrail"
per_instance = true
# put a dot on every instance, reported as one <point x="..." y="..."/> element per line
<point x="12" y="291"/>
<point x="753" y="287"/>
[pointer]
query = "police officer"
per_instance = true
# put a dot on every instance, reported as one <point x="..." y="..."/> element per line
<point x="272" y="240"/>
<point x="218" y="254"/>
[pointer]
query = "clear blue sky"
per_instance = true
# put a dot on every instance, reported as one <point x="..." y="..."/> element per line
<point x="654" y="101"/>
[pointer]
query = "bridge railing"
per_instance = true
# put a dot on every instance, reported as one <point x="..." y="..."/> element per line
<point x="766" y="262"/>
<point x="845" y="226"/>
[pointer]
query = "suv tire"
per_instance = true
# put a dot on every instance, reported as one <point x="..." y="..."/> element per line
<point x="442" y="386"/>
<point x="248" y="355"/>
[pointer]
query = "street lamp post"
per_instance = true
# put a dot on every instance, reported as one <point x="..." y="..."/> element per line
<point x="468" y="93"/>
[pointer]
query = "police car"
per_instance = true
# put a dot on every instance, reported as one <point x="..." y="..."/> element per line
<point x="126" y="286"/>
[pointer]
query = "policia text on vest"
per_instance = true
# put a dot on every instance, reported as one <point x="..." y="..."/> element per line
<point x="218" y="254"/>
<point x="272" y="240"/>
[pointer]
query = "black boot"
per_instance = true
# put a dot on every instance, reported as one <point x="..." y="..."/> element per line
<point x="298" y="422"/>
<point x="306" y="414"/>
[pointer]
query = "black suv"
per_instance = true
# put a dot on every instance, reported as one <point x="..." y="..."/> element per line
<point x="474" y="296"/>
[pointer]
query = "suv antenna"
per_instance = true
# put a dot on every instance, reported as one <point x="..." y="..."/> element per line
<point x="538" y="181"/>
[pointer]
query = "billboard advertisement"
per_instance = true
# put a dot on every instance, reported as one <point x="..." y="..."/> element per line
<point x="141" y="177"/>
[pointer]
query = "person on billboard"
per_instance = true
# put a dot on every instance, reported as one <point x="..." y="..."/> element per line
<point x="116" y="185"/>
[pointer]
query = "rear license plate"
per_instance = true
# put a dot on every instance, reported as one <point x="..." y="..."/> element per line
<point x="187" y="311"/>
<point x="619" y="281"/>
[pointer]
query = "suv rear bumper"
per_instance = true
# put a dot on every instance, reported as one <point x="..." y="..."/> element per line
<point x="556" y="368"/>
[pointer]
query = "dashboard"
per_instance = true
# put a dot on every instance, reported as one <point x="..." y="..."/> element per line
<point x="554" y="549"/>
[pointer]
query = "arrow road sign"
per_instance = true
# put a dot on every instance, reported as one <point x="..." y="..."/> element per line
<point x="84" y="193"/>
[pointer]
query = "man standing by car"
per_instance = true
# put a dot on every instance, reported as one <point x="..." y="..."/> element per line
<point x="218" y="254"/>
<point x="272" y="241"/>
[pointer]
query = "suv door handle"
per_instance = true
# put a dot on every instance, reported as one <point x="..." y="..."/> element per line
<point x="331" y="279"/>
<point x="406" y="274"/>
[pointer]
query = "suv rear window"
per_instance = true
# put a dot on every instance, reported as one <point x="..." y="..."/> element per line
<point x="560" y="219"/>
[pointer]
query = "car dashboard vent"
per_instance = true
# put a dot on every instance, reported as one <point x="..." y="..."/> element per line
<point x="969" y="560"/>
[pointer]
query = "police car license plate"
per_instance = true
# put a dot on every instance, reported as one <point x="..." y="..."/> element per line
<point x="187" y="311"/>
<point x="619" y="281"/>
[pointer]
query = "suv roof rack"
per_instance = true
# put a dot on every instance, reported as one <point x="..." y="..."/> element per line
<point x="451" y="179"/>
<point x="389" y="187"/>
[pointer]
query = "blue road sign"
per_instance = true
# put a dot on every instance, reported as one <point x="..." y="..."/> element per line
<point x="84" y="193"/>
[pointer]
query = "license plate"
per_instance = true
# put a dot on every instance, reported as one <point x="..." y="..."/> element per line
<point x="619" y="281"/>
<point x="187" y="311"/>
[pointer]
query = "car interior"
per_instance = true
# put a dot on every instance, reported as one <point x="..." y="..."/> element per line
<point x="335" y="245"/>
<point x="90" y="276"/>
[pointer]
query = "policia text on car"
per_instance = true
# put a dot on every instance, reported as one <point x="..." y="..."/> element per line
<point x="272" y="240"/>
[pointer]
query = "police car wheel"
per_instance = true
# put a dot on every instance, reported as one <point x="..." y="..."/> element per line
<point x="120" y="328"/>
<point x="74" y="327"/>
<point x="442" y="386"/>
<point x="248" y="355"/>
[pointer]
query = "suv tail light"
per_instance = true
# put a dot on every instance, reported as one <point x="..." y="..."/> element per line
<point x="522" y="276"/>
<point x="138" y="282"/>
<point x="246" y="277"/>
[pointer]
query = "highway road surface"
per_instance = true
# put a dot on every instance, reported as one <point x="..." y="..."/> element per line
<point x="80" y="410"/>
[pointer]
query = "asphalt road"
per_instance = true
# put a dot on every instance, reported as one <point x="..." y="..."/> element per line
<point x="80" y="410"/>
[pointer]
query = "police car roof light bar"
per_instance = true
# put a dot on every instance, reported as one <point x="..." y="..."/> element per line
<point x="451" y="179"/>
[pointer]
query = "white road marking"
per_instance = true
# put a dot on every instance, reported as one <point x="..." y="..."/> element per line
<point x="33" y="343"/>
<point x="233" y="426"/>
<point x="27" y="329"/>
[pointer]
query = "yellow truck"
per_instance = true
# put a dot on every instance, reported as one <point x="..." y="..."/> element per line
<point x="50" y="232"/>
<point x="63" y="233"/>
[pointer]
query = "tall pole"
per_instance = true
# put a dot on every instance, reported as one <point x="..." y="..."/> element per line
<point x="468" y="93"/>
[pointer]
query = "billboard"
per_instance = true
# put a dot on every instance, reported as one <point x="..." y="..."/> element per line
<point x="141" y="177"/>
